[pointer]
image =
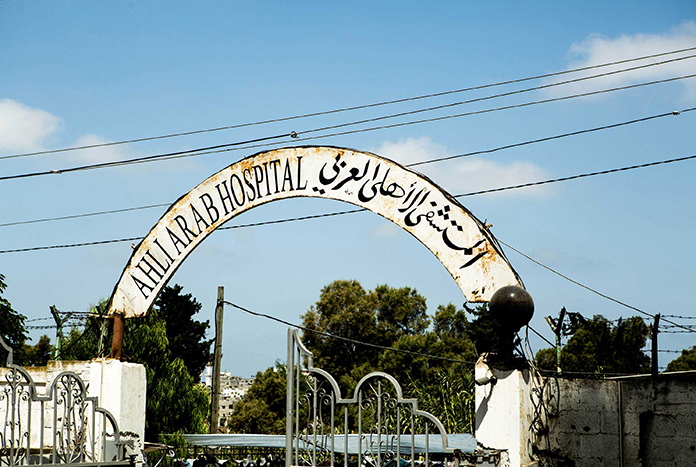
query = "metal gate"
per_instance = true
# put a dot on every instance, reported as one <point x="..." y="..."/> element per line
<point x="377" y="426"/>
<point x="62" y="426"/>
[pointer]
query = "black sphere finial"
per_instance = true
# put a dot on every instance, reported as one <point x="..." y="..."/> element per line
<point x="512" y="307"/>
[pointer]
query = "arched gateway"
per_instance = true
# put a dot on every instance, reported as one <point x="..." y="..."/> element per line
<point x="459" y="240"/>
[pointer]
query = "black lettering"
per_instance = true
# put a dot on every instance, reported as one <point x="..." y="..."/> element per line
<point x="275" y="163"/>
<point x="156" y="242"/>
<point x="164" y="268"/>
<point x="287" y="175"/>
<point x="223" y="198"/>
<point x="184" y="228"/>
<point x="198" y="219"/>
<point x="241" y="190"/>
<point x="268" y="183"/>
<point x="258" y="175"/>
<point x="247" y="181"/>
<point x="299" y="174"/>
<point x="142" y="286"/>
<point x="176" y="240"/>
<point x="210" y="207"/>
<point x="150" y="269"/>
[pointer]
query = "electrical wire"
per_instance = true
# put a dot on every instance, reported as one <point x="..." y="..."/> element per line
<point x="494" y="96"/>
<point x="538" y="334"/>
<point x="238" y="145"/>
<point x="346" y="109"/>
<point x="90" y="214"/>
<point x="607" y="297"/>
<point x="345" y="339"/>
<point x="138" y="160"/>
<point x="317" y="216"/>
<point x="415" y="164"/>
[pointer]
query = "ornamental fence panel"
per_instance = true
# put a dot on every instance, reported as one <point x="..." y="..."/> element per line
<point x="376" y="427"/>
<point x="60" y="425"/>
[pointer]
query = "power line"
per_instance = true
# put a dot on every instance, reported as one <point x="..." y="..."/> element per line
<point x="607" y="297"/>
<point x="585" y="175"/>
<point x="237" y="146"/>
<point x="494" y="96"/>
<point x="415" y="164"/>
<point x="317" y="216"/>
<point x="76" y="216"/>
<point x="352" y="341"/>
<point x="545" y="339"/>
<point x="137" y="160"/>
<point x="345" y="109"/>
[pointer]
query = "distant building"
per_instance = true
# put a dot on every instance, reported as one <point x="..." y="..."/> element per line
<point x="232" y="389"/>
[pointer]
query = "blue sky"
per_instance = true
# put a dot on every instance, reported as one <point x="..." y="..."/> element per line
<point x="85" y="72"/>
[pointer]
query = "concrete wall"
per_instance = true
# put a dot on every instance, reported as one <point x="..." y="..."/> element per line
<point x="637" y="421"/>
<point x="632" y="422"/>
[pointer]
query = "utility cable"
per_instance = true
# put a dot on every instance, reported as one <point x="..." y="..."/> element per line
<point x="545" y="339"/>
<point x="346" y="109"/>
<point x="415" y="164"/>
<point x="76" y="216"/>
<point x="238" y="145"/>
<point x="485" y="98"/>
<point x="594" y="291"/>
<point x="345" y="339"/>
<point x="317" y="216"/>
<point x="137" y="160"/>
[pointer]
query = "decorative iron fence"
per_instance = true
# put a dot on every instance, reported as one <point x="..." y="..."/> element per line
<point x="376" y="427"/>
<point x="62" y="426"/>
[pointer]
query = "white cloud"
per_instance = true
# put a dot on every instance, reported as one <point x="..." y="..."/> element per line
<point x="597" y="49"/>
<point x="385" y="230"/>
<point x="98" y="154"/>
<point x="23" y="128"/>
<point x="460" y="176"/>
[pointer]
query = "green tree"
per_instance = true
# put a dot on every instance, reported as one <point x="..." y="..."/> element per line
<point x="393" y="317"/>
<point x="382" y="317"/>
<point x="186" y="336"/>
<point x="171" y="345"/>
<point x="175" y="403"/>
<point x="600" y="347"/>
<point x="12" y="329"/>
<point x="686" y="361"/>
<point x="262" y="409"/>
<point x="39" y="354"/>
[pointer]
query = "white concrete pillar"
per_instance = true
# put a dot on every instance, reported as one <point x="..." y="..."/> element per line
<point x="504" y="412"/>
<point x="121" y="388"/>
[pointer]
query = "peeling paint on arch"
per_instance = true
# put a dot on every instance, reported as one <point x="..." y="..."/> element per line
<point x="458" y="239"/>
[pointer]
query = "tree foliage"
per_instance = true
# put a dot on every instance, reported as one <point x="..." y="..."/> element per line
<point x="599" y="346"/>
<point x="175" y="403"/>
<point x="12" y="326"/>
<point x="686" y="361"/>
<point x="186" y="336"/>
<point x="262" y="409"/>
<point x="387" y="317"/>
<point x="171" y="345"/>
<point x="14" y="332"/>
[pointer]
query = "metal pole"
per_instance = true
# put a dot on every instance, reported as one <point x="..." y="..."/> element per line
<point x="215" y="402"/>
<point x="290" y="397"/>
<point x="655" y="331"/>
<point x="117" y="339"/>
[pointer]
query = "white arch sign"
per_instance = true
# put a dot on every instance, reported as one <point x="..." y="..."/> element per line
<point x="458" y="239"/>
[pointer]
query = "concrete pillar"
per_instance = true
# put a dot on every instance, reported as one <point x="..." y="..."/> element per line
<point x="121" y="388"/>
<point x="504" y="412"/>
